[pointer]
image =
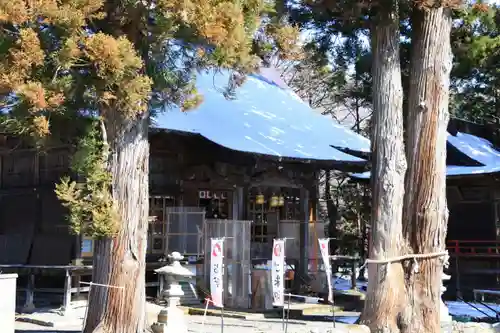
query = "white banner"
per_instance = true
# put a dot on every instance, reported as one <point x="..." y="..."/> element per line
<point x="216" y="271"/>
<point x="278" y="272"/>
<point x="325" y="254"/>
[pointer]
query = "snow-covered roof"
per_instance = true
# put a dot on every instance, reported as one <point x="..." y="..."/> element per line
<point x="475" y="148"/>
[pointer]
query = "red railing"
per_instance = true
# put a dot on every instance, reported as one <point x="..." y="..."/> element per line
<point x="473" y="247"/>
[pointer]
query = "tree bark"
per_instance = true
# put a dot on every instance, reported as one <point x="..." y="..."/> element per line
<point x="385" y="296"/>
<point x="121" y="261"/>
<point x="425" y="208"/>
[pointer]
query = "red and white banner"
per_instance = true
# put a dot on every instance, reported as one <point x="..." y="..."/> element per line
<point x="216" y="271"/>
<point x="325" y="254"/>
<point x="278" y="272"/>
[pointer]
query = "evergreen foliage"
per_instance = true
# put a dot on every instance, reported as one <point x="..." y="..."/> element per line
<point x="91" y="207"/>
<point x="476" y="75"/>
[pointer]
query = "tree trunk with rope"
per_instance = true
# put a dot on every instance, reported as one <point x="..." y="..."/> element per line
<point x="385" y="296"/>
<point x="425" y="209"/>
<point x="120" y="261"/>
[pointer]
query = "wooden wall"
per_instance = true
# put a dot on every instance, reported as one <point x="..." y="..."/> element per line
<point x="33" y="229"/>
<point x="471" y="204"/>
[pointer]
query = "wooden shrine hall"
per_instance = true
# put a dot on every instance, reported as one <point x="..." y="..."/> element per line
<point x="253" y="157"/>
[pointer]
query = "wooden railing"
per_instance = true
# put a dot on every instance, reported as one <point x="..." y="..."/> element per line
<point x="473" y="248"/>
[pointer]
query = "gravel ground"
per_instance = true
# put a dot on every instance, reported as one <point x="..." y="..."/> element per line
<point x="213" y="325"/>
<point x="72" y="323"/>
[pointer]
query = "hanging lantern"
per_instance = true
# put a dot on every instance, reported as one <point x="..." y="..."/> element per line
<point x="259" y="199"/>
<point x="281" y="201"/>
<point x="274" y="201"/>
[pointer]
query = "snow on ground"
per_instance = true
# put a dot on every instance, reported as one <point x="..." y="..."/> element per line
<point x="346" y="319"/>
<point x="344" y="283"/>
<point x="486" y="310"/>
<point x="455" y="308"/>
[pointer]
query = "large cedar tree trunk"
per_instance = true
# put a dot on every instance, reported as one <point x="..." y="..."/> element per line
<point x="121" y="261"/>
<point x="385" y="296"/>
<point x="426" y="213"/>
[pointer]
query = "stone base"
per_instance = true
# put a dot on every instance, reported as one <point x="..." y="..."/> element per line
<point x="159" y="328"/>
<point x="28" y="308"/>
<point x="172" y="321"/>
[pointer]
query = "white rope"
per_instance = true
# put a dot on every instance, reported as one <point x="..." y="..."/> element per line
<point x="100" y="285"/>
<point x="414" y="256"/>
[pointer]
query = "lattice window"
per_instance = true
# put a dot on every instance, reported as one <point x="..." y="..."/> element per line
<point x="157" y="225"/>
<point x="184" y="230"/>
<point x="217" y="204"/>
<point x="292" y="208"/>
<point x="257" y="213"/>
<point x="265" y="217"/>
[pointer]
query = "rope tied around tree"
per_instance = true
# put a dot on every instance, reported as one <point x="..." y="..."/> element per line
<point x="413" y="256"/>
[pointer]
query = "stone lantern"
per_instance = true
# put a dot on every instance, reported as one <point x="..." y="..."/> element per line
<point x="171" y="319"/>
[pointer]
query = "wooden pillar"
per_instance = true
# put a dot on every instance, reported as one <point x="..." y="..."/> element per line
<point x="1" y="171"/>
<point x="36" y="170"/>
<point x="303" y="266"/>
<point x="67" y="293"/>
<point x="29" y="305"/>
<point x="457" y="278"/>
<point x="354" y="265"/>
<point x="237" y="270"/>
<point x="494" y="202"/>
<point x="496" y="220"/>
<point x="313" y="218"/>
<point x="238" y="206"/>
<point x="77" y="257"/>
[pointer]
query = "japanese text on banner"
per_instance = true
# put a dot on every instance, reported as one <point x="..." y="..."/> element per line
<point x="278" y="272"/>
<point x="216" y="271"/>
<point x="325" y="254"/>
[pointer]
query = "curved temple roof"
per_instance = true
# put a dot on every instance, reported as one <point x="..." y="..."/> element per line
<point x="266" y="117"/>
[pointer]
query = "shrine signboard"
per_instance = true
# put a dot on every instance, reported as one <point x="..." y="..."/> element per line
<point x="325" y="254"/>
<point x="216" y="271"/>
<point x="278" y="272"/>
